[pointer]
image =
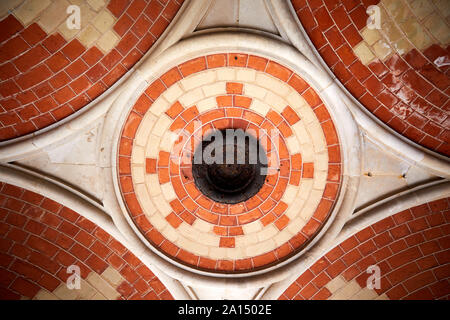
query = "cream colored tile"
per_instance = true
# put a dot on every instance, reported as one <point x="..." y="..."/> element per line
<point x="144" y="199"/>
<point x="168" y="191"/>
<point x="246" y="240"/>
<point x="215" y="89"/>
<point x="107" y="41"/>
<point x="137" y="155"/>
<point x="363" y="53"/>
<point x="152" y="184"/>
<point x="260" y="248"/>
<point x="198" y="80"/>
<point x="173" y="93"/>
<point x="438" y="28"/>
<point x="207" y="104"/>
<point x="103" y="21"/>
<point x="246" y="75"/>
<point x="295" y="225"/>
<point x="102" y="286"/>
<point x="255" y="91"/>
<point x="272" y="84"/>
<point x="96" y="4"/>
<point x="202" y="225"/>
<point x="190" y="98"/>
<point x="226" y="74"/>
<point x="170" y="233"/>
<point x="267" y="232"/>
<point x="252" y="227"/>
<point x="371" y="36"/>
<point x="53" y="15"/>
<point x="336" y="284"/>
<point x="64" y="293"/>
<point x="138" y="174"/>
<point x="158" y="221"/>
<point x="161" y="125"/>
<point x="144" y="129"/>
<point x="421" y="8"/>
<point x="290" y="194"/>
<point x="45" y="295"/>
<point x="382" y="50"/>
<point x="260" y="107"/>
<point x="161" y="204"/>
<point x="152" y="149"/>
<point x="86" y="291"/>
<point x="112" y="276"/>
<point x="27" y="12"/>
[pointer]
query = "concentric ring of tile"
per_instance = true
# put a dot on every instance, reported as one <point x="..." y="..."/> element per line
<point x="229" y="91"/>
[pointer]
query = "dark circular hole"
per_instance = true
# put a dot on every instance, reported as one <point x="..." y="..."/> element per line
<point x="235" y="57"/>
<point x="229" y="166"/>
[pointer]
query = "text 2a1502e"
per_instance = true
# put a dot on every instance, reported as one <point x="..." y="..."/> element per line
<point x="246" y="309"/>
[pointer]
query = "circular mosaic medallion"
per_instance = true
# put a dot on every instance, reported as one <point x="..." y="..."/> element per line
<point x="233" y="216"/>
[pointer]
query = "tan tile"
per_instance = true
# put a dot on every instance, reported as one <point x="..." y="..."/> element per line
<point x="382" y="49"/>
<point x="6" y="6"/>
<point x="438" y="28"/>
<point x="30" y="10"/>
<point x="45" y="295"/>
<point x="443" y="7"/>
<point x="112" y="276"/>
<point x="52" y="16"/>
<point x="96" y="4"/>
<point x="103" y="21"/>
<point x="391" y="32"/>
<point x="107" y="41"/>
<point x="86" y="291"/>
<point x="402" y="46"/>
<point x="88" y="36"/>
<point x="363" y="52"/>
<point x="416" y="34"/>
<point x="102" y="286"/>
<point x="421" y="8"/>
<point x="371" y="36"/>
<point x="64" y="293"/>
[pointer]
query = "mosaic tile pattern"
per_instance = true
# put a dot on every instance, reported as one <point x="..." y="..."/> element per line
<point x="221" y="91"/>
<point x="399" y="72"/>
<point x="48" y="71"/>
<point x="40" y="239"/>
<point x="411" y="248"/>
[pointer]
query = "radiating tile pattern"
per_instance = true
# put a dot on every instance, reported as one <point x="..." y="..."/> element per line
<point x="411" y="249"/>
<point x="399" y="72"/>
<point x="40" y="239"/>
<point x="223" y="91"/>
<point x="48" y="71"/>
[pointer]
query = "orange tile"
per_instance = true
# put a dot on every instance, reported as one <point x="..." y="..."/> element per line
<point x="296" y="161"/>
<point x="224" y="101"/>
<point x="175" y="110"/>
<point x="234" y="87"/>
<point x="190" y="113"/>
<point x="282" y="222"/>
<point x="226" y="242"/>
<point x="207" y="215"/>
<point x="308" y="170"/>
<point x="290" y="115"/>
<point x="237" y="60"/>
<point x="257" y="63"/>
<point x="173" y="219"/>
<point x="267" y="219"/>
<point x="220" y="231"/>
<point x="193" y="66"/>
<point x="278" y="71"/>
<point x="228" y="220"/>
<point x="243" y="102"/>
<point x="216" y="60"/>
<point x="150" y="165"/>
<point x="171" y="76"/>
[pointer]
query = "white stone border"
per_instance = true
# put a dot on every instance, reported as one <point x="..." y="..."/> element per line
<point x="386" y="137"/>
